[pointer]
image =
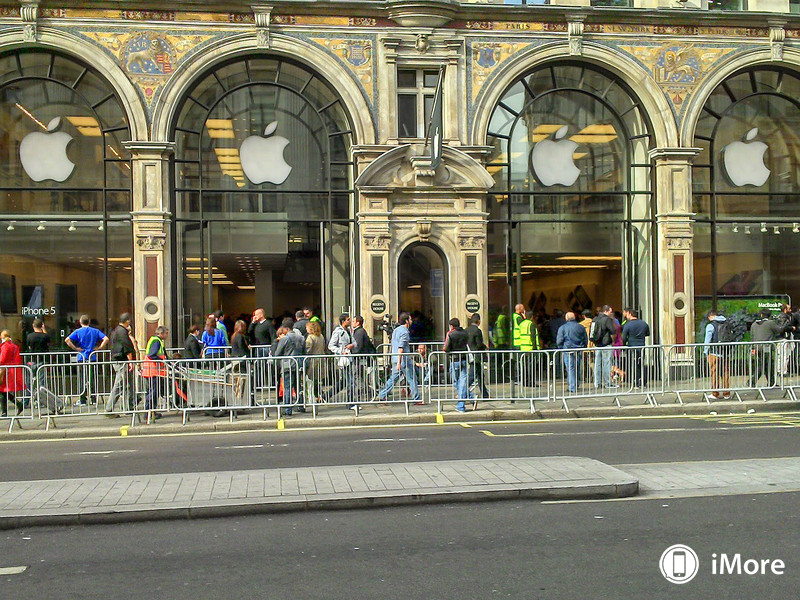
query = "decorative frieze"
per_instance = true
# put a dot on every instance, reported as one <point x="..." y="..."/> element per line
<point x="262" y="14"/>
<point x="29" y="11"/>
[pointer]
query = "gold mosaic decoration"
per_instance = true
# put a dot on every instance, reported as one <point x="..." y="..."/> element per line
<point x="148" y="57"/>
<point x="357" y="55"/>
<point x="486" y="56"/>
<point x="677" y="67"/>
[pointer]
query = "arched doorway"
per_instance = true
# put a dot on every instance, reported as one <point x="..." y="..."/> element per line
<point x="422" y="290"/>
<point x="571" y="219"/>
<point x="745" y="183"/>
<point x="263" y="197"/>
<point x="65" y="194"/>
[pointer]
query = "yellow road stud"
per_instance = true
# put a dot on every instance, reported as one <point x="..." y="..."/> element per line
<point x="123" y="431"/>
<point x="281" y="424"/>
<point x="439" y="418"/>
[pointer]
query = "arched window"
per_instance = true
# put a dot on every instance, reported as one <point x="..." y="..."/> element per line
<point x="571" y="206"/>
<point x="263" y="189"/>
<point x="65" y="193"/>
<point x="745" y="184"/>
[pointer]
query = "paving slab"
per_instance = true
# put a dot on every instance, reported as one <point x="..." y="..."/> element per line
<point x="225" y="493"/>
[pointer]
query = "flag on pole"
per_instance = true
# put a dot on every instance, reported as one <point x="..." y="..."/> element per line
<point x="436" y="124"/>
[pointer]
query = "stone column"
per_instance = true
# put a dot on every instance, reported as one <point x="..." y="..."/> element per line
<point x="674" y="228"/>
<point x="152" y="266"/>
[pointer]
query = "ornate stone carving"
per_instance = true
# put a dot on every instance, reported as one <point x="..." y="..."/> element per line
<point x="424" y="229"/>
<point x="422" y="44"/>
<point x="151" y="242"/>
<point x="575" y="37"/>
<point x="261" y="13"/>
<point x="471" y="242"/>
<point x="378" y="242"/>
<point x="29" y="11"/>
<point x="675" y="243"/>
<point x="777" y="37"/>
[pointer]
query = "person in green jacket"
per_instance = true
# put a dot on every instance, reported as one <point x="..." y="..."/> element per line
<point x="528" y="342"/>
<point x="501" y="330"/>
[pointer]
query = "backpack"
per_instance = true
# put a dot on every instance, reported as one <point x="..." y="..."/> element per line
<point x="724" y="332"/>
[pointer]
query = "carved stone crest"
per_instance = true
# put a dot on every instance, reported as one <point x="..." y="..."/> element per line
<point x="29" y="11"/>
<point x="151" y="242"/>
<point x="377" y="242"/>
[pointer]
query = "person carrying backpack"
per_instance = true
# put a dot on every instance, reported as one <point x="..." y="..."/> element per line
<point x="603" y="334"/>
<point x="718" y="333"/>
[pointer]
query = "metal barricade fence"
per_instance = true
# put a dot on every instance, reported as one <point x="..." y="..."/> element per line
<point x="608" y="373"/>
<point x="787" y="365"/>
<point x="17" y="404"/>
<point x="497" y="375"/>
<point x="428" y="347"/>
<point x="356" y="380"/>
<point x="721" y="371"/>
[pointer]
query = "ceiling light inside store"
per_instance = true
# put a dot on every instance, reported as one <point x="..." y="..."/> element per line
<point x="41" y="226"/>
<point x="776" y="229"/>
<point x="246" y="287"/>
<point x="595" y="134"/>
<point x="763" y="228"/>
<point x="735" y="228"/>
<point x="86" y="126"/>
<point x="589" y="258"/>
<point x="10" y="226"/>
<point x="795" y="227"/>
<point x="747" y="229"/>
<point x="220" y="128"/>
<point x="71" y="226"/>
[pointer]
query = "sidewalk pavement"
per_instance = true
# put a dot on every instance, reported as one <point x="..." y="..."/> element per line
<point x="226" y="493"/>
<point x="94" y="425"/>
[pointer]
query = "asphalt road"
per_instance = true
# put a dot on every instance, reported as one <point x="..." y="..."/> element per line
<point x="614" y="441"/>
<point x="530" y="550"/>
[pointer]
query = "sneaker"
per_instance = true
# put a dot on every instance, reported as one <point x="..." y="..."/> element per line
<point x="461" y="409"/>
<point x="301" y="409"/>
<point x="81" y="403"/>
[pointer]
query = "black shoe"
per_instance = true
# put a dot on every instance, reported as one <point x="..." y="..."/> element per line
<point x="301" y="409"/>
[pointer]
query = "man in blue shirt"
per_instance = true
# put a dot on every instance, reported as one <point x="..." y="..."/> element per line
<point x="401" y="350"/>
<point x="85" y="341"/>
<point x="571" y="336"/>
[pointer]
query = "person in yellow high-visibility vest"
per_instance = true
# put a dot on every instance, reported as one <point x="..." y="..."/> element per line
<point x="517" y="318"/>
<point x="529" y="341"/>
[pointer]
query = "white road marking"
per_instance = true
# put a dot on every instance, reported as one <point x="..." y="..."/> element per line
<point x="389" y="440"/>
<point x="12" y="570"/>
<point x="623" y="431"/>
<point x="102" y="452"/>
<point x="238" y="447"/>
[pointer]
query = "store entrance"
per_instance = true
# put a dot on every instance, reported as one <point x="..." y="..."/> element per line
<point x="422" y="289"/>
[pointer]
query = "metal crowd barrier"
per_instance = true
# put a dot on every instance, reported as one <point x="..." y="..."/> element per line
<point x="22" y="406"/>
<point x="611" y="373"/>
<point x="505" y="375"/>
<point x="723" y="371"/>
<point x="224" y="386"/>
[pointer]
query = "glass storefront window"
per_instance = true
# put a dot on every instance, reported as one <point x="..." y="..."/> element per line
<point x="262" y="169"/>
<point x="573" y="186"/>
<point x="65" y="195"/>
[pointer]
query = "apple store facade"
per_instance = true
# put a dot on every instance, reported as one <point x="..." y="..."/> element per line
<point x="170" y="164"/>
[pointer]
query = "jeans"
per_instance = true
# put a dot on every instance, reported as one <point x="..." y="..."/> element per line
<point x="156" y="388"/>
<point x="602" y="366"/>
<point x="86" y="380"/>
<point x="572" y="362"/>
<point x="476" y="377"/>
<point x="407" y="369"/>
<point x="458" y="373"/>
<point x="123" y="386"/>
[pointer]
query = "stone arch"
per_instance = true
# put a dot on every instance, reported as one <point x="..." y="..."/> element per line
<point x="91" y="54"/>
<point x="654" y="102"/>
<point x="245" y="44"/>
<point x="750" y="58"/>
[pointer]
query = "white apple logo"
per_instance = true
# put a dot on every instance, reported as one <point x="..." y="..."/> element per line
<point x="44" y="155"/>
<point x="744" y="161"/>
<point x="552" y="161"/>
<point x="262" y="157"/>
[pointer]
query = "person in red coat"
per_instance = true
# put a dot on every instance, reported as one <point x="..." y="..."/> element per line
<point x="11" y="380"/>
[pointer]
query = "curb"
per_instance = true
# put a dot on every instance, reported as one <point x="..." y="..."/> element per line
<point x="595" y="490"/>
<point x="429" y="418"/>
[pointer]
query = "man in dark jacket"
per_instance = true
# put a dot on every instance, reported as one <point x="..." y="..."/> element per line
<point x="261" y="331"/>
<point x="290" y="346"/>
<point x="456" y="348"/>
<point x="762" y="357"/>
<point x="122" y="352"/>
<point x="785" y="349"/>
<point x="478" y="348"/>
<point x="365" y="367"/>
<point x="603" y="332"/>
<point x="634" y="333"/>
<point x="192" y="348"/>
<point x="571" y="336"/>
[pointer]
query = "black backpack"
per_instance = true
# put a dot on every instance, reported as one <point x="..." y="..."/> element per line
<point x="599" y="334"/>
<point x="725" y="332"/>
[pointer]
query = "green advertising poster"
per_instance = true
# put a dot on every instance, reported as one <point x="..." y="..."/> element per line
<point x="740" y="310"/>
